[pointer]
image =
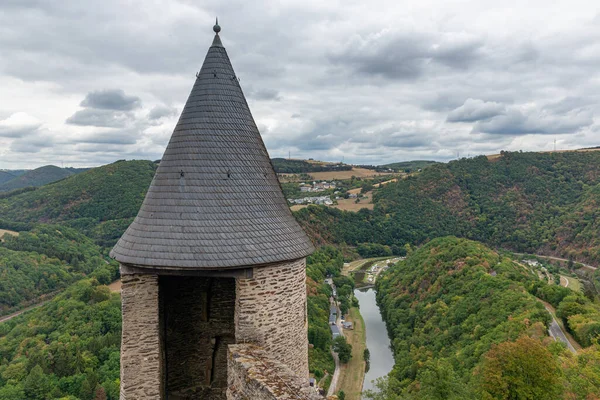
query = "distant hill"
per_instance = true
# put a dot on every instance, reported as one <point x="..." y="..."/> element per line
<point x="409" y="166"/>
<point x="6" y="176"/>
<point x="100" y="202"/>
<point x="528" y="202"/>
<point x="37" y="177"/>
<point x="287" y="166"/>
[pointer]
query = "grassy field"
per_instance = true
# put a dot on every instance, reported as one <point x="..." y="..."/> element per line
<point x="574" y="283"/>
<point x="352" y="374"/>
<point x="357" y="172"/>
<point x="352" y="205"/>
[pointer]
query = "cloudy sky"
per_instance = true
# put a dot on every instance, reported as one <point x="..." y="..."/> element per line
<point x="84" y="83"/>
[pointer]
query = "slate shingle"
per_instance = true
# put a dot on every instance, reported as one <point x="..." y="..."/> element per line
<point x="215" y="201"/>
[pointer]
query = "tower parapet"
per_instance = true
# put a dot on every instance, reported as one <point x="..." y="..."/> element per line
<point x="214" y="256"/>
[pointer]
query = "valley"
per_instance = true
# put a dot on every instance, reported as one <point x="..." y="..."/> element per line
<point x="462" y="226"/>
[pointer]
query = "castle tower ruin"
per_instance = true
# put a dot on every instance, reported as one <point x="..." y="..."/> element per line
<point x="214" y="257"/>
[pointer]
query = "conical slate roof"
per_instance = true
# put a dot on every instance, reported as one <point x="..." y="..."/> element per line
<point x="215" y="201"/>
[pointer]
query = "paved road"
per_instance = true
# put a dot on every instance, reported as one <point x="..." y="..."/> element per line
<point x="556" y="332"/>
<point x="336" y="374"/>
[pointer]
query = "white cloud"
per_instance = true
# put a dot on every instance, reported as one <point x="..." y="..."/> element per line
<point x="424" y="79"/>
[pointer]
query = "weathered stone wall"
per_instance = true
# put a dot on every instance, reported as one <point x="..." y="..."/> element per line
<point x="198" y="314"/>
<point x="141" y="353"/>
<point x="253" y="374"/>
<point x="271" y="312"/>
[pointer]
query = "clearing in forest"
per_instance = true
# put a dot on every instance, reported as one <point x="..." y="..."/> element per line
<point x="3" y="231"/>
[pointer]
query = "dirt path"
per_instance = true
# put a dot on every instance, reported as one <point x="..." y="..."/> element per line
<point x="115" y="286"/>
<point x="13" y="315"/>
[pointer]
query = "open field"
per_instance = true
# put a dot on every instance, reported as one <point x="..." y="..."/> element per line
<point x="352" y="205"/>
<point x="570" y="282"/>
<point x="352" y="374"/>
<point x="385" y="183"/>
<point x="357" y="172"/>
<point x="3" y="231"/>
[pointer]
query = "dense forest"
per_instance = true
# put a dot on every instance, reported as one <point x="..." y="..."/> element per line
<point x="44" y="260"/>
<point x="529" y="202"/>
<point x="67" y="349"/>
<point x="465" y="324"/>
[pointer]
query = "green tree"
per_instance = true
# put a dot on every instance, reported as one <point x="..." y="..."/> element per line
<point x="37" y="386"/>
<point x="523" y="370"/>
<point x="343" y="349"/>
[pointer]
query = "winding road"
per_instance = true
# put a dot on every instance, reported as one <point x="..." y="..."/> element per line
<point x="557" y="333"/>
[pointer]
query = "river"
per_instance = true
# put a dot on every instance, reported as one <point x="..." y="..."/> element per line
<point x="378" y="342"/>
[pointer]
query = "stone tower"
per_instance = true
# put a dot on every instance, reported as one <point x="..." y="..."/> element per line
<point x="214" y="256"/>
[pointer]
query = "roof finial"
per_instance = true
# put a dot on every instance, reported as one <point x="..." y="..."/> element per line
<point x="217" y="28"/>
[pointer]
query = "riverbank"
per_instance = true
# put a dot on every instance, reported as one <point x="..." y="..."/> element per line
<point x="369" y="331"/>
<point x="352" y="374"/>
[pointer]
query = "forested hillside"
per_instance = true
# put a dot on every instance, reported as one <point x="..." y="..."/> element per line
<point x="409" y="166"/>
<point x="288" y="166"/>
<point x="6" y="176"/>
<point x="530" y="202"/>
<point x="38" y="177"/>
<point x="100" y="202"/>
<point x="47" y="259"/>
<point x="68" y="348"/>
<point x="465" y="325"/>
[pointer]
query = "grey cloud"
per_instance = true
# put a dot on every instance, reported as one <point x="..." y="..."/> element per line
<point x="111" y="99"/>
<point x="443" y="102"/>
<point x="406" y="55"/>
<point x="264" y="94"/>
<point x="33" y="144"/>
<point x="475" y="110"/>
<point x="516" y="122"/>
<point x="112" y="137"/>
<point x="99" y="118"/>
<point x="17" y="131"/>
<point x="161" y="111"/>
<point x="567" y="104"/>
